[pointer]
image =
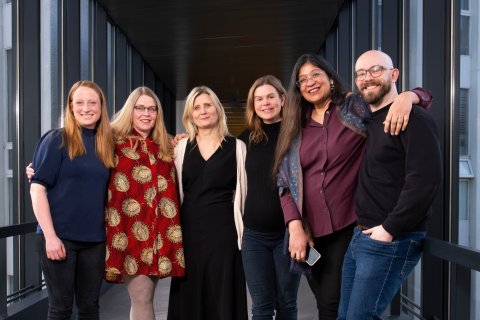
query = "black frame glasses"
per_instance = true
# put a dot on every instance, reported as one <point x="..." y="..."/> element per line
<point x="141" y="109"/>
<point x="375" y="72"/>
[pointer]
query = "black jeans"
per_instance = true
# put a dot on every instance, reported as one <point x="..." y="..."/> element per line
<point x="327" y="272"/>
<point x="79" y="276"/>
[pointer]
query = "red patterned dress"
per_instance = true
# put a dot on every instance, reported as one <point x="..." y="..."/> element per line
<point x="142" y="216"/>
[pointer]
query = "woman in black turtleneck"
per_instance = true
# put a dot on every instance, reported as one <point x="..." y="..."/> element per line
<point x="271" y="285"/>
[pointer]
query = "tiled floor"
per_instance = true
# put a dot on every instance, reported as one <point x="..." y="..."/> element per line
<point x="115" y="303"/>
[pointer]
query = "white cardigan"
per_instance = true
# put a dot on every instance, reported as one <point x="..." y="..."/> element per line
<point x="240" y="190"/>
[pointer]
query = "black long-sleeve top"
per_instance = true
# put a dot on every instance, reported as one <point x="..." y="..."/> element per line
<point x="400" y="175"/>
<point x="262" y="205"/>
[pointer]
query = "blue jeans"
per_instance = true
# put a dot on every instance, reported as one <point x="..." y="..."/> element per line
<point x="270" y="283"/>
<point x="373" y="271"/>
<point x="79" y="276"/>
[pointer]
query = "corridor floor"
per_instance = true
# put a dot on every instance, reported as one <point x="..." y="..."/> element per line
<point x="115" y="303"/>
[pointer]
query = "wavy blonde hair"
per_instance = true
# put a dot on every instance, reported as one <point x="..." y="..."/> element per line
<point x="72" y="131"/>
<point x="187" y="120"/>
<point x="254" y="122"/>
<point x="122" y="124"/>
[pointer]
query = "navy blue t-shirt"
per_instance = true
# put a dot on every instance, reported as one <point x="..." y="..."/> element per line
<point x="76" y="189"/>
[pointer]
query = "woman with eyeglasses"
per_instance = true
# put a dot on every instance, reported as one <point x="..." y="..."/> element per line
<point x="144" y="238"/>
<point x="321" y="145"/>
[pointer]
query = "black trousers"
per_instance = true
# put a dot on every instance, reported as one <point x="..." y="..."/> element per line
<point x="327" y="272"/>
<point x="77" y="277"/>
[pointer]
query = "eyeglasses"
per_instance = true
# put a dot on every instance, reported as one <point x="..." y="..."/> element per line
<point x="375" y="72"/>
<point x="142" y="109"/>
<point x="313" y="76"/>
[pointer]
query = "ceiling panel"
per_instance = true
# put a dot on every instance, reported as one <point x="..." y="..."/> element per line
<point x="225" y="45"/>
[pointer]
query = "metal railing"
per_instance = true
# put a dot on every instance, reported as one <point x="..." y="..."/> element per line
<point x="460" y="255"/>
<point x="6" y="232"/>
<point x="453" y="253"/>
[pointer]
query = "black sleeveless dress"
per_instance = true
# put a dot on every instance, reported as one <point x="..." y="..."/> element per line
<point x="214" y="285"/>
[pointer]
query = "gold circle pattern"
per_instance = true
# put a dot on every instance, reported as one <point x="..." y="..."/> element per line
<point x="130" y="153"/>
<point x="147" y="256"/>
<point x="180" y="257"/>
<point x="120" y="241"/>
<point x="150" y="194"/>
<point x="158" y="243"/>
<point x="140" y="231"/>
<point x="142" y="174"/>
<point x="164" y="265"/>
<point x="174" y="233"/>
<point x="168" y="208"/>
<point x="121" y="182"/>
<point x="131" y="207"/>
<point x="130" y="265"/>
<point x="162" y="183"/>
<point x="113" y="217"/>
<point x="111" y="273"/>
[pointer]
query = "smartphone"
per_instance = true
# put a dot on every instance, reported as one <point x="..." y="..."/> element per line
<point x="312" y="256"/>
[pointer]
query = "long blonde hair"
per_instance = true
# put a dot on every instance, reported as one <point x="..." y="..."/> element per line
<point x="122" y="123"/>
<point x="192" y="130"/>
<point x="254" y="122"/>
<point x="72" y="131"/>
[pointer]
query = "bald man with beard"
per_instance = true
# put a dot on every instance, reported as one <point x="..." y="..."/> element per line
<point x="398" y="181"/>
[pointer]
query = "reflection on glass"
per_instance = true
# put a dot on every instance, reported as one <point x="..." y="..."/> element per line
<point x="410" y="296"/>
<point x="475" y="296"/>
<point x="463" y="121"/>
<point x="467" y="123"/>
<point x="464" y="36"/>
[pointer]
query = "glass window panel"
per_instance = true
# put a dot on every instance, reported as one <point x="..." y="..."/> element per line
<point x="110" y="68"/>
<point x="52" y="100"/>
<point x="467" y="123"/>
<point x="463" y="216"/>
<point x="412" y="287"/>
<point x="85" y="36"/>
<point x="465" y="169"/>
<point x="410" y="297"/>
<point x="415" y="53"/>
<point x="475" y="296"/>
<point x="463" y="121"/>
<point x="464" y="35"/>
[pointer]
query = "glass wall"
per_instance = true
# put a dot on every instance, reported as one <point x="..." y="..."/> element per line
<point x="7" y="134"/>
<point x="412" y="289"/>
<point x="46" y="46"/>
<point x="7" y="113"/>
<point x="468" y="122"/>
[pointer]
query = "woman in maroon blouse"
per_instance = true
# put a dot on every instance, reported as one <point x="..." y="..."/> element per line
<point x="321" y="146"/>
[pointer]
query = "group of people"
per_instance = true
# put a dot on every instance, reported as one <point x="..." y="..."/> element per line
<point x="118" y="201"/>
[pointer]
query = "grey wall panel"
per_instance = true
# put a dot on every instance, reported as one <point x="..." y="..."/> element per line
<point x="71" y="40"/>
<point x="122" y="89"/>
<point x="345" y="56"/>
<point x="137" y="69"/>
<point x="100" y="71"/>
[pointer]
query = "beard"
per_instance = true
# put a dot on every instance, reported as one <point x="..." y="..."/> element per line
<point x="375" y="98"/>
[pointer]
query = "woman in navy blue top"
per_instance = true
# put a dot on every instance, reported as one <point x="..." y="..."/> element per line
<point x="68" y="196"/>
